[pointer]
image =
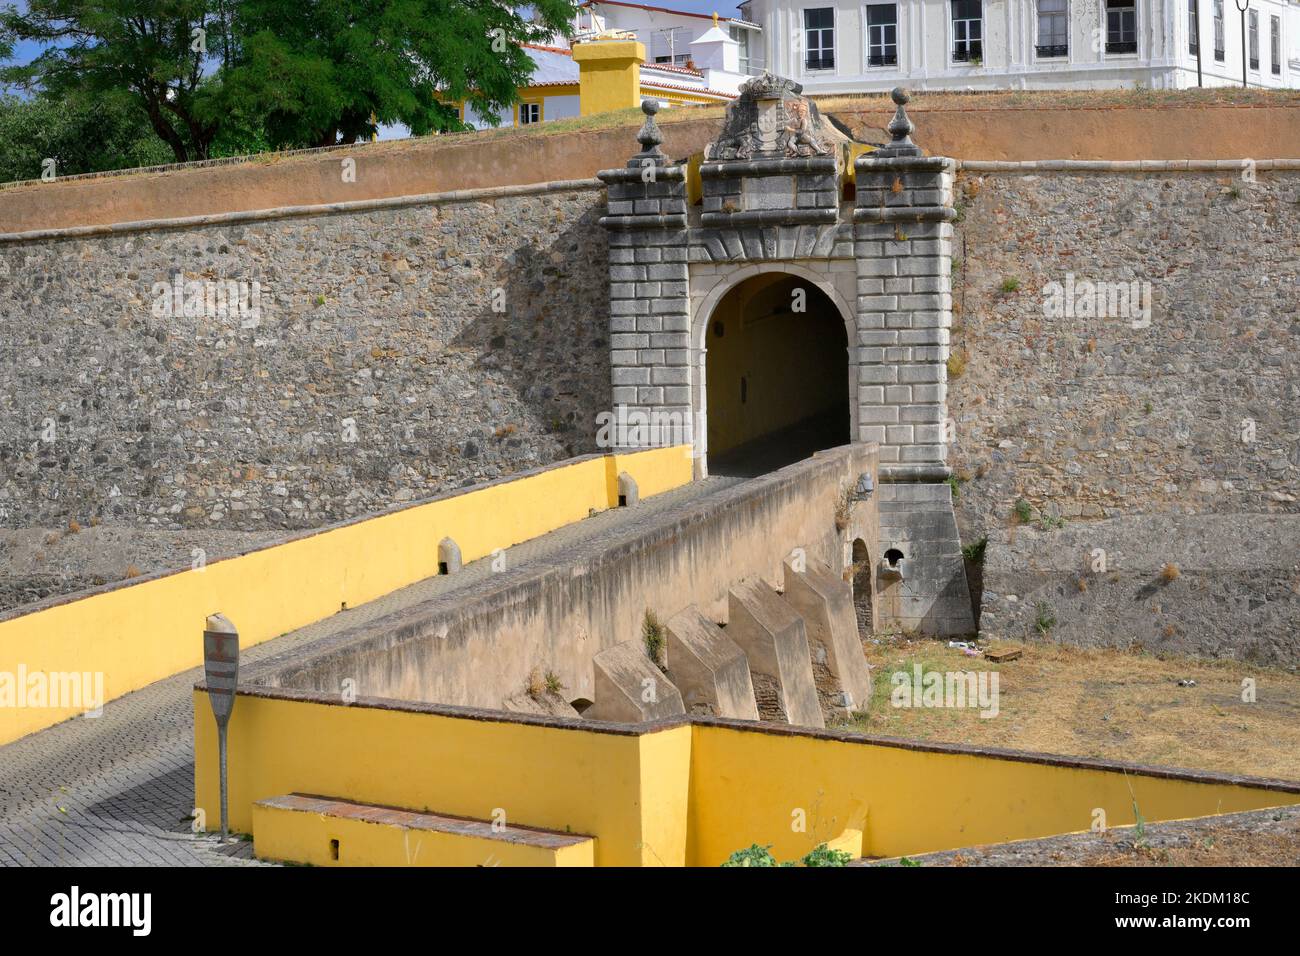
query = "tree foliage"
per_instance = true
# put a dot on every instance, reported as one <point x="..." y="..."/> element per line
<point x="213" y="77"/>
<point x="154" y="51"/>
<point x="332" y="71"/>
<point x="80" y="137"/>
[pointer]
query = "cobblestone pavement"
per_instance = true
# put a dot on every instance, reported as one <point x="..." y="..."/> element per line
<point x="119" y="789"/>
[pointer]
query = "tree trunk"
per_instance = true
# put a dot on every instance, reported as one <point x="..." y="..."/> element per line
<point x="165" y="131"/>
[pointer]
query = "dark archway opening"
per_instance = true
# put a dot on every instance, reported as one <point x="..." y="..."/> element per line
<point x="776" y="375"/>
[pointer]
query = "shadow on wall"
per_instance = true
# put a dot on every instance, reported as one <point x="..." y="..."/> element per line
<point x="522" y="333"/>
<point x="375" y="371"/>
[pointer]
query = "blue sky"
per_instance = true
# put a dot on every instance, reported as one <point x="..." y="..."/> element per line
<point x="723" y="8"/>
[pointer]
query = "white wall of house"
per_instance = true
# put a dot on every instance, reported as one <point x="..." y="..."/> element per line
<point x="475" y="120"/>
<point x="667" y="35"/>
<point x="560" y="107"/>
<point x="1010" y="54"/>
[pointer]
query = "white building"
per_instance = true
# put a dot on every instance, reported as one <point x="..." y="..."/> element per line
<point x="668" y="34"/>
<point x="847" y="46"/>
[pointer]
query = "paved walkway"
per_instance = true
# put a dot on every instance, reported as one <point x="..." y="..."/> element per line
<point x="119" y="789"/>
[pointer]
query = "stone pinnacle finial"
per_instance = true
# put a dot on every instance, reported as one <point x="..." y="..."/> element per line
<point x="900" y="127"/>
<point x="649" y="137"/>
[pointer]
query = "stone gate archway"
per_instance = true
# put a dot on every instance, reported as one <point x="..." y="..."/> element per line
<point x="773" y="374"/>
<point x="781" y="190"/>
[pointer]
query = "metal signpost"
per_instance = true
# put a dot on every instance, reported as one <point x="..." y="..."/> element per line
<point x="221" y="669"/>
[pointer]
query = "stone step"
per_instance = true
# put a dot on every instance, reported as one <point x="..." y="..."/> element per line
<point x="825" y="602"/>
<point x="708" y="668"/>
<point x="773" y="638"/>
<point x="323" y="831"/>
<point x="629" y="688"/>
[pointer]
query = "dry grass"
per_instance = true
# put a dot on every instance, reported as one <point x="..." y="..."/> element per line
<point x="842" y="106"/>
<point x="1105" y="704"/>
<point x="1210" y="846"/>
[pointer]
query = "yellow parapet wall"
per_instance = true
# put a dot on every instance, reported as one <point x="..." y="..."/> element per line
<point x="687" y="791"/>
<point x="554" y="777"/>
<point x="139" y="633"/>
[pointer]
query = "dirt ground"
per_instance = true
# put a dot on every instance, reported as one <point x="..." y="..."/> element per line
<point x="1136" y="708"/>
<point x="1256" y="838"/>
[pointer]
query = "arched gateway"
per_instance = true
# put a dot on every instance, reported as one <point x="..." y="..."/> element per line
<point x="780" y="316"/>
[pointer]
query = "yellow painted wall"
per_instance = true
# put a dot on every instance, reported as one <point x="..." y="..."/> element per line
<point x="299" y="837"/>
<point x="665" y="796"/>
<point x="547" y="777"/>
<point x="144" y="632"/>
<point x="656" y="471"/>
<point x="746" y="787"/>
<point x="609" y="75"/>
<point x="676" y="97"/>
<point x="685" y="795"/>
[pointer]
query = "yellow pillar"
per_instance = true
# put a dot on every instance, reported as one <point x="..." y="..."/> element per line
<point x="609" y="75"/>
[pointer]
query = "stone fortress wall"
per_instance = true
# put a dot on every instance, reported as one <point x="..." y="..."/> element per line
<point x="1156" y="452"/>
<point x="400" y="350"/>
<point x="382" y="315"/>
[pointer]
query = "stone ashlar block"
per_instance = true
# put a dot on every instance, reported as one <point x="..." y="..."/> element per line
<point x="708" y="668"/>
<point x="773" y="638"/>
<point x="629" y="688"/>
<point x="825" y="602"/>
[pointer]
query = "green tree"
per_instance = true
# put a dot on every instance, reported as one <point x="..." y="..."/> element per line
<point x="332" y="71"/>
<point x="80" y="137"/>
<point x="155" y="51"/>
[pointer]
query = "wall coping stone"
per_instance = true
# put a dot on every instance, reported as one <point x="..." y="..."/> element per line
<point x="720" y="169"/>
<point x="674" y="221"/>
<point x="636" y="174"/>
<point x="869" y="162"/>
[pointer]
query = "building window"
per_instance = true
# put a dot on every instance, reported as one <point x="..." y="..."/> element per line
<point x="741" y="36"/>
<point x="882" y="34"/>
<point x="1218" y="30"/>
<point x="1254" y="39"/>
<point x="530" y="113"/>
<point x="1193" y="28"/>
<point x="819" y="38"/>
<point x="1121" y="26"/>
<point x="1275" y="44"/>
<point x="967" y="31"/>
<point x="1053" y="28"/>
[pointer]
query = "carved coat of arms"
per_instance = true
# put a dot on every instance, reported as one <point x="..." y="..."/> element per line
<point x="769" y="120"/>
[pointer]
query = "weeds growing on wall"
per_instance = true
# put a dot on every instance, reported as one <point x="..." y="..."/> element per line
<point x="975" y="552"/>
<point x="652" y="633"/>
